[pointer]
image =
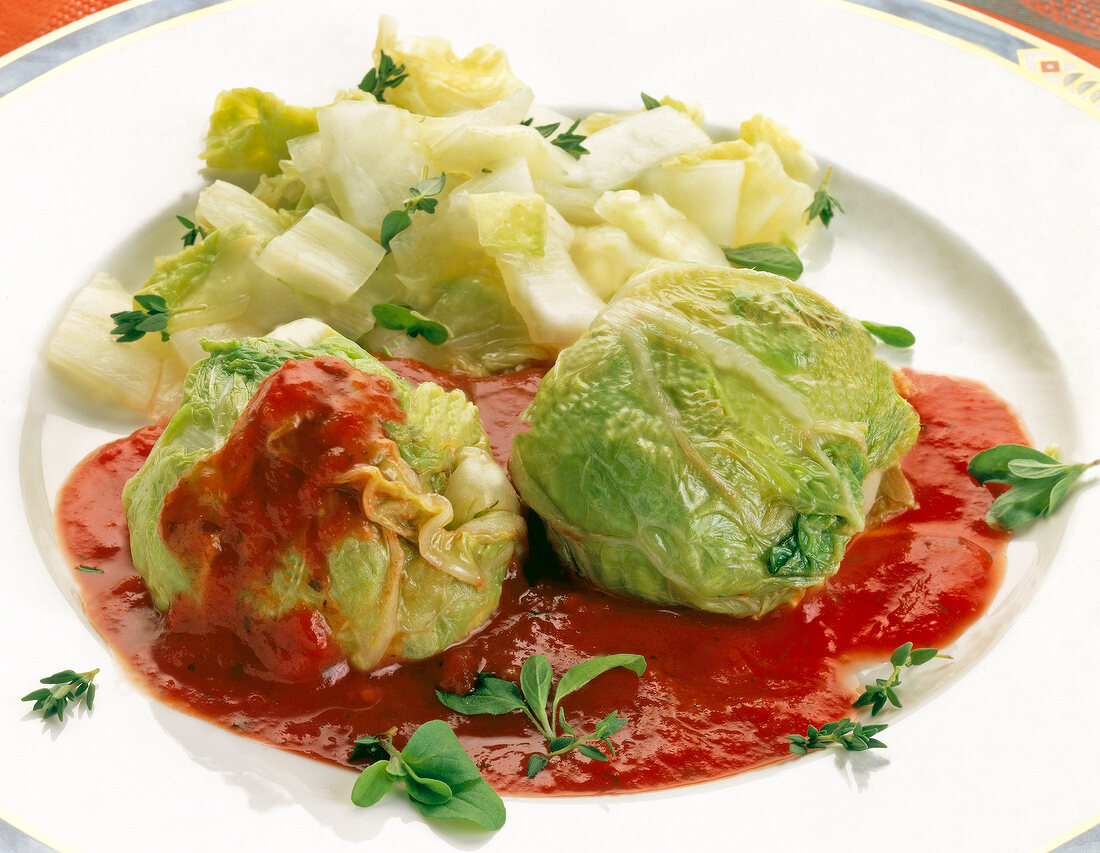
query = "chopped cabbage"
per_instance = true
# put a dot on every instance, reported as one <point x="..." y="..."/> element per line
<point x="249" y="130"/>
<point x="439" y="82"/>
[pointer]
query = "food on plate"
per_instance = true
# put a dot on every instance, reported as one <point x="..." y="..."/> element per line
<point x="714" y="439"/>
<point x="322" y="507"/>
<point x="316" y="542"/>
<point x="441" y="186"/>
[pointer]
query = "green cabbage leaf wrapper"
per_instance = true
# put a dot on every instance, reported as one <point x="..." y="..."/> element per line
<point x="390" y="591"/>
<point x="709" y="441"/>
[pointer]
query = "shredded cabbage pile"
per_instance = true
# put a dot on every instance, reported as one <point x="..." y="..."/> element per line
<point x="527" y="241"/>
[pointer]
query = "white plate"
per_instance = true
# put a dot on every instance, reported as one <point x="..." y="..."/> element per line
<point x="972" y="217"/>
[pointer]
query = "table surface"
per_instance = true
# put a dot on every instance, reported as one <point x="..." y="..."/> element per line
<point x="33" y="26"/>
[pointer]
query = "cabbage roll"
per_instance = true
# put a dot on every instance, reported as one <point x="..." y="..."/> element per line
<point x="709" y="441"/>
<point x="321" y="507"/>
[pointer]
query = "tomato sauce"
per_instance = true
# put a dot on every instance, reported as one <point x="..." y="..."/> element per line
<point x="718" y="697"/>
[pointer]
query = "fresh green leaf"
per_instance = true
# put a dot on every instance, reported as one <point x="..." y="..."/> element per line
<point x="440" y="778"/>
<point x="421" y="197"/>
<point x="649" y="102"/>
<point x="425" y="789"/>
<point x="545" y="129"/>
<point x="497" y="696"/>
<point x="570" y="142"/>
<point x="591" y="752"/>
<point x="536" y="764"/>
<point x="845" y="733"/>
<point x="386" y="75"/>
<point x="1035" y="469"/>
<point x="535" y="678"/>
<point x="393" y="223"/>
<point x="492" y="695"/>
<point x="767" y="257"/>
<point x="892" y="336"/>
<point x="473" y="802"/>
<point x="372" y="784"/>
<point x="577" y="676"/>
<point x="371" y="748"/>
<point x="90" y="570"/>
<point x="823" y="204"/>
<point x="877" y="695"/>
<point x="901" y="655"/>
<point x="434" y="751"/>
<point x="1039" y="483"/>
<point x="66" y="686"/>
<point x="991" y="466"/>
<point x="194" y="232"/>
<point x="412" y="323"/>
<point x="133" y="325"/>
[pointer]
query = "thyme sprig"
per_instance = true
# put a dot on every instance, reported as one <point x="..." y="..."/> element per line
<point x="64" y="687"/>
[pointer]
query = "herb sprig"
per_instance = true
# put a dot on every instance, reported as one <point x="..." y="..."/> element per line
<point x="570" y="142"/>
<point x="884" y="689"/>
<point x="194" y="232"/>
<point x="153" y="316"/>
<point x="545" y="129"/>
<point x="1039" y="483"/>
<point x="649" y="102"/>
<point x="494" y="695"/>
<point x="421" y="197"/>
<point x="823" y="206"/>
<point x="64" y="687"/>
<point x="775" y="258"/>
<point x="846" y="733"/>
<point x="400" y="318"/>
<point x="386" y="75"/>
<point x="892" y="336"/>
<point x="441" y="780"/>
<point x="855" y="736"/>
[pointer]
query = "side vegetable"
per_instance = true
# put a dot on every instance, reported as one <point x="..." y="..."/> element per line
<point x="497" y="696"/>
<point x="439" y="777"/>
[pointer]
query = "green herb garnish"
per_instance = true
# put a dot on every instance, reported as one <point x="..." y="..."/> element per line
<point x="399" y="318"/>
<point x="66" y="686"/>
<point x="89" y="570"/>
<point x="387" y="75"/>
<point x="494" y="695"/>
<point x="650" y="102"/>
<point x="545" y="129"/>
<point x="194" y="232"/>
<point x="766" y="257"/>
<point x="570" y="142"/>
<point x="421" y="197"/>
<point x="1039" y="483"/>
<point x="883" y="690"/>
<point x="440" y="778"/>
<point x="852" y="736"/>
<point x="822" y="205"/>
<point x="133" y="325"/>
<point x="892" y="336"/>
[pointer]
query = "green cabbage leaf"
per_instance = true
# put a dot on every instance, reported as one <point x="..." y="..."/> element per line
<point x="419" y="571"/>
<point x="707" y="441"/>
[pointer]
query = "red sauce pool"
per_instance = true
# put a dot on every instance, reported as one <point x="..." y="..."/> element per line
<point x="718" y="697"/>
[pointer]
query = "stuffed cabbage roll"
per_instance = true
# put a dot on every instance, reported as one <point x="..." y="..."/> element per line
<point x="320" y="507"/>
<point x="713" y="440"/>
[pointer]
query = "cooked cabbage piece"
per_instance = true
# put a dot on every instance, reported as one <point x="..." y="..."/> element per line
<point x="707" y="441"/>
<point x="310" y="486"/>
